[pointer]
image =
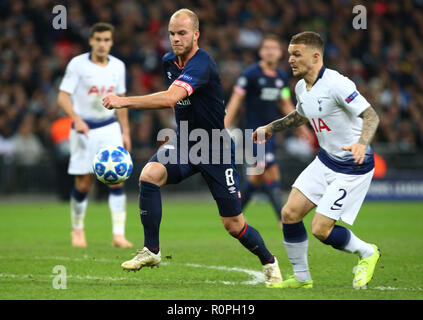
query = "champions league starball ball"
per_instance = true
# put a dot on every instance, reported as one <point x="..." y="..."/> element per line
<point x="112" y="165"/>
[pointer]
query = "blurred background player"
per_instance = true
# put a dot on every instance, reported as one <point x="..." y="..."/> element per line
<point x="195" y="94"/>
<point x="265" y="89"/>
<point x="88" y="78"/>
<point x="337" y="181"/>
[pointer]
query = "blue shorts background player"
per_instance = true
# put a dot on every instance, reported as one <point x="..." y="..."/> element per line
<point x="265" y="89"/>
<point x="196" y="95"/>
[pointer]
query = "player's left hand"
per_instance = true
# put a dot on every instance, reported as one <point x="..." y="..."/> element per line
<point x="358" y="151"/>
<point x="262" y="134"/>
<point x="113" y="101"/>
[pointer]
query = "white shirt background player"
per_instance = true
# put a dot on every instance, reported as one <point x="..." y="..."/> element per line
<point x="87" y="82"/>
<point x="89" y="77"/>
<point x="338" y="179"/>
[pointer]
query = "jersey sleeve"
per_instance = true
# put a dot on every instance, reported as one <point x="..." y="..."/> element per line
<point x="300" y="110"/>
<point x="121" y="86"/>
<point x="346" y="95"/>
<point x="242" y="83"/>
<point x="70" y="79"/>
<point x="195" y="74"/>
<point x="298" y="106"/>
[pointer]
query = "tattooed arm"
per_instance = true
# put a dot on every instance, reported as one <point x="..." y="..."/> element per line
<point x="370" y="124"/>
<point x="291" y="121"/>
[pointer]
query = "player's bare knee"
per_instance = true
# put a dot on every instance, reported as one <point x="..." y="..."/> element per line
<point x="83" y="188"/>
<point x="233" y="225"/>
<point x="289" y="215"/>
<point x="320" y="231"/>
<point x="155" y="173"/>
<point x="272" y="173"/>
<point x="256" y="180"/>
<point x="83" y="183"/>
<point x="231" y="228"/>
<point x="322" y="226"/>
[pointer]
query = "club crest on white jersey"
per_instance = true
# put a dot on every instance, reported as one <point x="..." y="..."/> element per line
<point x="88" y="83"/>
<point x="332" y="106"/>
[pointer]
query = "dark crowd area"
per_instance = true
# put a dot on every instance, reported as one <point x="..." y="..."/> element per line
<point x="384" y="60"/>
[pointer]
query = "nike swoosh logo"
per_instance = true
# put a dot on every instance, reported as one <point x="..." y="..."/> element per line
<point x="332" y="208"/>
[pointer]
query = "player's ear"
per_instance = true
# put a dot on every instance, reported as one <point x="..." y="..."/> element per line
<point x="316" y="56"/>
<point x="196" y="35"/>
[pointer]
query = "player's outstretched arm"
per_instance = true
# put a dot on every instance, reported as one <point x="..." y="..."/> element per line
<point x="122" y="117"/>
<point x="159" y="100"/>
<point x="291" y="121"/>
<point x="286" y="106"/>
<point x="370" y="124"/>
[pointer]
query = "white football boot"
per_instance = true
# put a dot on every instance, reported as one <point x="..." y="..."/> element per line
<point x="143" y="258"/>
<point x="272" y="274"/>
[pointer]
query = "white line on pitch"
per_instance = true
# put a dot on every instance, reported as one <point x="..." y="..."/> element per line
<point x="257" y="276"/>
<point x="89" y="277"/>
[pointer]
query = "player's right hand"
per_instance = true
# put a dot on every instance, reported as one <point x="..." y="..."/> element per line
<point x="262" y="134"/>
<point x="113" y="101"/>
<point x="81" y="127"/>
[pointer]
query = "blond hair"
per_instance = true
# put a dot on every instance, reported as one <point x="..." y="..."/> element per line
<point x="190" y="14"/>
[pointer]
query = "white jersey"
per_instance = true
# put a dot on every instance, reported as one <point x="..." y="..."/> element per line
<point x="88" y="83"/>
<point x="333" y="182"/>
<point x="332" y="106"/>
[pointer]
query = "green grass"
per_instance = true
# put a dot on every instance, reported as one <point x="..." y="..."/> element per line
<point x="34" y="238"/>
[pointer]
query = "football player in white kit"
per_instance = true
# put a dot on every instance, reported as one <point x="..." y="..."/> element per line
<point x="337" y="181"/>
<point x="89" y="77"/>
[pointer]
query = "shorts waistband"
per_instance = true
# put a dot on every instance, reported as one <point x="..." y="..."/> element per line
<point x="347" y="167"/>
<point x="97" y="124"/>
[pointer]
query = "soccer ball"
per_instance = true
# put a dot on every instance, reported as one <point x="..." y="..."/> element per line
<point x="112" y="165"/>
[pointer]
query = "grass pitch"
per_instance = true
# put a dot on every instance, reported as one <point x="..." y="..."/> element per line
<point x="200" y="260"/>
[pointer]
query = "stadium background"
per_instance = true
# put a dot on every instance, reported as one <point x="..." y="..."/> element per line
<point x="384" y="61"/>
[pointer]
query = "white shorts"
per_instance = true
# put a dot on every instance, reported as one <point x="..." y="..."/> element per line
<point x="337" y="195"/>
<point x="83" y="149"/>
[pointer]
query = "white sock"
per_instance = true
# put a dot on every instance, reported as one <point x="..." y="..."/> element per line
<point x="117" y="205"/>
<point x="78" y="210"/>
<point x="297" y="255"/>
<point x="356" y="245"/>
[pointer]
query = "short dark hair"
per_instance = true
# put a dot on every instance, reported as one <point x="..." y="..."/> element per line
<point x="309" y="38"/>
<point x="101" y="27"/>
<point x="272" y="37"/>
